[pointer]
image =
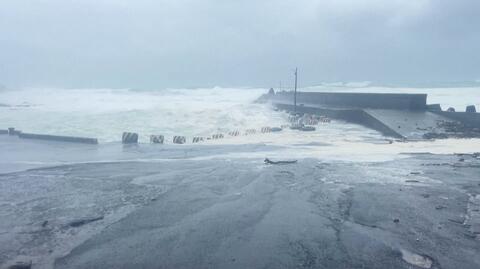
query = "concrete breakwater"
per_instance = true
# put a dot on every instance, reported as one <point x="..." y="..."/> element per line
<point x="57" y="138"/>
<point x="405" y="116"/>
<point x="356" y="100"/>
<point x="133" y="138"/>
<point x="72" y="139"/>
<point x="357" y="116"/>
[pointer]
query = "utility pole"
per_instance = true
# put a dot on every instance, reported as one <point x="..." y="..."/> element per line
<point x="295" y="94"/>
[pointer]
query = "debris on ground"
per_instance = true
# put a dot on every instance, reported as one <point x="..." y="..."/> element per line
<point x="268" y="161"/>
<point x="78" y="223"/>
<point x="456" y="221"/>
<point x="307" y="129"/>
<point x="416" y="259"/>
<point x="296" y="126"/>
<point x="21" y="265"/>
<point x="412" y="181"/>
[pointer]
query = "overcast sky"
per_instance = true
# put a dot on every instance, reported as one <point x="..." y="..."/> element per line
<point x="193" y="43"/>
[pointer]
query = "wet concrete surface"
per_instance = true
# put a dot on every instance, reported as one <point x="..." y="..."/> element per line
<point x="418" y="212"/>
<point x="410" y="124"/>
<point x="19" y="154"/>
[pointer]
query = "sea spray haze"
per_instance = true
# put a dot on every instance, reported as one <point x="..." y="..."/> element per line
<point x="106" y="113"/>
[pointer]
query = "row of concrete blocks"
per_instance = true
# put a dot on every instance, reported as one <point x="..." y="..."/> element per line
<point x="437" y="107"/>
<point x="308" y="119"/>
<point x="314" y="121"/>
<point x="132" y="138"/>
<point x="59" y="138"/>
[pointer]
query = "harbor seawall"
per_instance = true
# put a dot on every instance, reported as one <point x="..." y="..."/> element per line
<point x="403" y="116"/>
<point x="357" y="100"/>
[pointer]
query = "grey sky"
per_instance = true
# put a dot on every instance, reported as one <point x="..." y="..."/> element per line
<point x="190" y="43"/>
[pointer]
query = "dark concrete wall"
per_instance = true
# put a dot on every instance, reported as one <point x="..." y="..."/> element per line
<point x="356" y="100"/>
<point x="71" y="139"/>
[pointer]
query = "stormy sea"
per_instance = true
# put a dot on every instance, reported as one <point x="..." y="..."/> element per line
<point x="107" y="113"/>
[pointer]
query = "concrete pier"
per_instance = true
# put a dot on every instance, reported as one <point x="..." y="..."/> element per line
<point x="404" y="116"/>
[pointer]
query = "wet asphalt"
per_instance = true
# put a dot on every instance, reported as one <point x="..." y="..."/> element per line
<point x="418" y="212"/>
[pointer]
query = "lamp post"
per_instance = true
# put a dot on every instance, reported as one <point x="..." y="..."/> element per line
<point x="295" y="94"/>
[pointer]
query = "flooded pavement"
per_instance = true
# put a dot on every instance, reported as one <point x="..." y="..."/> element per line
<point x="416" y="212"/>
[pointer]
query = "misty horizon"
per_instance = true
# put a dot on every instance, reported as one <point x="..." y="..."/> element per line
<point x="188" y="44"/>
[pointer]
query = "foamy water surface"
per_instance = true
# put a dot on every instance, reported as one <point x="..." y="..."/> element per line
<point x="106" y="113"/>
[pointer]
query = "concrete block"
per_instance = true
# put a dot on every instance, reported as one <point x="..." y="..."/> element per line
<point x="296" y="126"/>
<point x="307" y="129"/>
<point x="234" y="133"/>
<point x="471" y="109"/>
<point x="157" y="139"/>
<point x="179" y="139"/>
<point x="265" y="130"/>
<point x="310" y="120"/>
<point x="293" y="118"/>
<point x="12" y="131"/>
<point x="434" y="107"/>
<point x="197" y="139"/>
<point x="217" y="136"/>
<point x="129" y="138"/>
<point x="324" y="119"/>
